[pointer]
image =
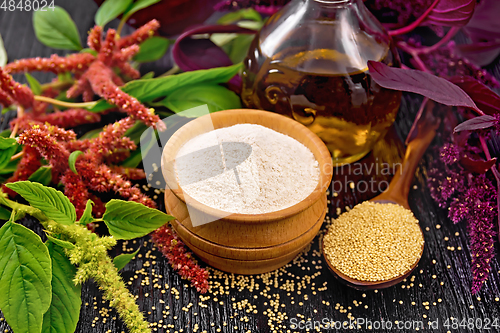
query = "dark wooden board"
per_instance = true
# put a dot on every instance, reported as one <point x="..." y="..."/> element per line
<point x="447" y="290"/>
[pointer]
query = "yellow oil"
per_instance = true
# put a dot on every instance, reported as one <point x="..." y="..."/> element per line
<point x="331" y="93"/>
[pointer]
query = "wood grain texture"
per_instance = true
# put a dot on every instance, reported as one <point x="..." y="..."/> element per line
<point x="447" y="279"/>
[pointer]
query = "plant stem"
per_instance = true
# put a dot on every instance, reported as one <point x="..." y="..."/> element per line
<point x="449" y="35"/>
<point x="416" y="23"/>
<point x="58" y="85"/>
<point x="171" y="71"/>
<point x="414" y="53"/>
<point x="64" y="104"/>
<point x="20" y="114"/>
<point x="16" y="156"/>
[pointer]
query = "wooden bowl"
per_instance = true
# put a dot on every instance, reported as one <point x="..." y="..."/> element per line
<point x="247" y="243"/>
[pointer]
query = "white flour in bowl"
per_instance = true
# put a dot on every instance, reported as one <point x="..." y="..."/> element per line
<point x="246" y="169"/>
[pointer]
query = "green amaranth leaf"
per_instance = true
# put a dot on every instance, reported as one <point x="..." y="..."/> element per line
<point x="4" y="214"/>
<point x="56" y="29"/>
<point x="122" y="260"/>
<point x="152" y="49"/>
<point x="10" y="167"/>
<point x="25" y="289"/>
<point x="216" y="97"/>
<point x="3" y="53"/>
<point x="109" y="10"/>
<point x="242" y="14"/>
<point x="138" y="5"/>
<point x="129" y="220"/>
<point x="87" y="214"/>
<point x="55" y="205"/>
<point x="60" y="242"/>
<point x="72" y="160"/>
<point x="150" y="89"/>
<point x="8" y="148"/>
<point x="135" y="157"/>
<point x="43" y="175"/>
<point x="35" y="86"/>
<point x="91" y="134"/>
<point x="148" y="75"/>
<point x="237" y="49"/>
<point x="64" y="311"/>
<point x="6" y="143"/>
<point x="134" y="133"/>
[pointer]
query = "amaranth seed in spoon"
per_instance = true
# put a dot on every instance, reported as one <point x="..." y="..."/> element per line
<point x="374" y="242"/>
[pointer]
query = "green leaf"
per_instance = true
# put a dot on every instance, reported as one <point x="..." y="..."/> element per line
<point x="55" y="205"/>
<point x="87" y="214"/>
<point x="129" y="220"/>
<point x="43" y="175"/>
<point x="148" y="75"/>
<point x="56" y="29"/>
<point x="4" y="214"/>
<point x="216" y="97"/>
<point x="25" y="289"/>
<point x="138" y="5"/>
<point x="238" y="48"/>
<point x="72" y="160"/>
<point x="89" y="50"/>
<point x="109" y="10"/>
<point x="3" y="53"/>
<point x="148" y="90"/>
<point x="8" y="148"/>
<point x="152" y="49"/>
<point x="64" y="311"/>
<point x="35" y="86"/>
<point x="91" y="134"/>
<point x="242" y="14"/>
<point x="10" y="167"/>
<point x="123" y="259"/>
<point x="6" y="143"/>
<point x="60" y="242"/>
<point x="134" y="133"/>
<point x="135" y="157"/>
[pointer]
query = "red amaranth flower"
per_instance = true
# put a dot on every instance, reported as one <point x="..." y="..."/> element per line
<point x="76" y="191"/>
<point x="129" y="173"/>
<point x="94" y="38"/>
<point x="139" y="35"/>
<point x="99" y="76"/>
<point x="182" y="261"/>
<point x="71" y="118"/>
<point x="74" y="63"/>
<point x="17" y="92"/>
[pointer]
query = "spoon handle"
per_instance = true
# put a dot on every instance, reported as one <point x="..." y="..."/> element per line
<point x="426" y="130"/>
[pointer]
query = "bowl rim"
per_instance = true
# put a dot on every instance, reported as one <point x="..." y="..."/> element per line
<point x="324" y="159"/>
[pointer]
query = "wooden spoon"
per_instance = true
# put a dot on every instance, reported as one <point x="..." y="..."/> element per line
<point x="397" y="193"/>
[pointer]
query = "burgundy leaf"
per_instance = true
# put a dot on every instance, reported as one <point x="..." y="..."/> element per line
<point x="193" y="54"/>
<point x="480" y="53"/>
<point x="485" y="98"/>
<point x="485" y="22"/>
<point x="476" y="123"/>
<point x="452" y="13"/>
<point x="477" y="166"/>
<point x="415" y="81"/>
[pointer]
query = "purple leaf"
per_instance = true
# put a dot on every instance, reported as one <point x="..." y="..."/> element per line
<point x="415" y="81"/>
<point x="477" y="166"/>
<point x="480" y="53"/>
<point x="193" y="54"/>
<point x="476" y="123"/>
<point x="452" y="13"/>
<point x="485" y="98"/>
<point x="485" y="23"/>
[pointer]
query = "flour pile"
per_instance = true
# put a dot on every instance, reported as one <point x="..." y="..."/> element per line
<point x="246" y="169"/>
